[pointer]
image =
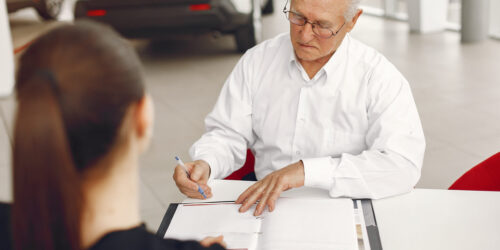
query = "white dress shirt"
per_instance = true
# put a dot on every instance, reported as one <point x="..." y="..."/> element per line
<point x="354" y="125"/>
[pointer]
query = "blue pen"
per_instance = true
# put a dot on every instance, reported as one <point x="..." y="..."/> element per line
<point x="179" y="161"/>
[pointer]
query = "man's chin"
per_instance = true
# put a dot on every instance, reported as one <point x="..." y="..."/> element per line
<point x="306" y="57"/>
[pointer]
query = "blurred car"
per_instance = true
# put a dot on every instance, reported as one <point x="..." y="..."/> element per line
<point x="157" y="18"/>
<point x="47" y="9"/>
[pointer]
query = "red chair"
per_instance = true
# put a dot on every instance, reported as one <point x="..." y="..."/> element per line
<point x="483" y="177"/>
<point x="247" y="168"/>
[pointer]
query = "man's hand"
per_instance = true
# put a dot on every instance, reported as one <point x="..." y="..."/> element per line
<point x="269" y="189"/>
<point x="208" y="241"/>
<point x="199" y="173"/>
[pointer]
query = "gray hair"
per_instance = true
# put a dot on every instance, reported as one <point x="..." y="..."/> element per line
<point x="352" y="9"/>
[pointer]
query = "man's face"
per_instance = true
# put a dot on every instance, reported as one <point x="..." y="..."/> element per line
<point x="330" y="13"/>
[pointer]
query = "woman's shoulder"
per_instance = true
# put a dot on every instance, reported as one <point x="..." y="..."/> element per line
<point x="140" y="238"/>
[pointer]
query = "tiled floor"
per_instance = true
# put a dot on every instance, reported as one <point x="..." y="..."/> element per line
<point x="456" y="87"/>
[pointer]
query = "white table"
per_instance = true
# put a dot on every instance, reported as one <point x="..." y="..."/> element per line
<point x="424" y="219"/>
<point x="440" y="219"/>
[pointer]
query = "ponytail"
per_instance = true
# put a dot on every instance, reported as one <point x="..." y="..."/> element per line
<point x="44" y="171"/>
<point x="68" y="118"/>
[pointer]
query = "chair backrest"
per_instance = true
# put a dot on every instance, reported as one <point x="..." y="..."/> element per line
<point x="247" y="168"/>
<point x="483" y="177"/>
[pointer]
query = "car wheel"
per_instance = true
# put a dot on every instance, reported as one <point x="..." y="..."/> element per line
<point x="49" y="9"/>
<point x="250" y="35"/>
<point x="268" y="7"/>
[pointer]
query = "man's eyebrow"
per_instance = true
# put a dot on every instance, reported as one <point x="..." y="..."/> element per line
<point x="296" y="11"/>
<point x="322" y="22"/>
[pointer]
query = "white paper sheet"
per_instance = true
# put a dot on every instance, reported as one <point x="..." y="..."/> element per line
<point x="197" y="221"/>
<point x="294" y="224"/>
<point x="310" y="224"/>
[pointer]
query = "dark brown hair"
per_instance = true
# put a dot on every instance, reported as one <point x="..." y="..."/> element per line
<point x="74" y="86"/>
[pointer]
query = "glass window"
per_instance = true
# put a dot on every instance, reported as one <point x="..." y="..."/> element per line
<point x="454" y="12"/>
<point x="398" y="9"/>
<point x="373" y="4"/>
<point x="495" y="18"/>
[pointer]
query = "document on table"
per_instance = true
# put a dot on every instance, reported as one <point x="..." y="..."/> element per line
<point x="294" y="224"/>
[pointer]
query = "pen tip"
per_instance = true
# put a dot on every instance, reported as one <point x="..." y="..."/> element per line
<point x="176" y="158"/>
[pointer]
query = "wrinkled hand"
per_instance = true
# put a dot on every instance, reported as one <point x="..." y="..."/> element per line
<point x="269" y="189"/>
<point x="208" y="241"/>
<point x="199" y="173"/>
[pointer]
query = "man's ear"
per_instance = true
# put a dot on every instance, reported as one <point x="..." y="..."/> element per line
<point x="353" y="21"/>
<point x="144" y="117"/>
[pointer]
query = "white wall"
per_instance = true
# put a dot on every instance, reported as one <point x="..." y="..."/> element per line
<point x="6" y="52"/>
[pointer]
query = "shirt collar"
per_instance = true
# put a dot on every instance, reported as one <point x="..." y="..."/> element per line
<point x="338" y="58"/>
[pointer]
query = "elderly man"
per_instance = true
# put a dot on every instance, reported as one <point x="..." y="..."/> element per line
<point x="319" y="109"/>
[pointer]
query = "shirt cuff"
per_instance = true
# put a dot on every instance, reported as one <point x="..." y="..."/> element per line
<point x="318" y="172"/>
<point x="212" y="162"/>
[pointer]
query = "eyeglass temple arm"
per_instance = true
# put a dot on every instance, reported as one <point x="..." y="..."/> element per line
<point x="284" y="7"/>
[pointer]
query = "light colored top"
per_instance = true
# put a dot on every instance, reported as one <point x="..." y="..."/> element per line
<point x="354" y="125"/>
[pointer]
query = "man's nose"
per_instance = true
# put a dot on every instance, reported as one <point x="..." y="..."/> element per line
<point x="307" y="32"/>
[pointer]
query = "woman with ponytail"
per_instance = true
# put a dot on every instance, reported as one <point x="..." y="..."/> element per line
<point x="82" y="121"/>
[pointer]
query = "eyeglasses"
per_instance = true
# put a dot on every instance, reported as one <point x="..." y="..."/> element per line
<point x="318" y="29"/>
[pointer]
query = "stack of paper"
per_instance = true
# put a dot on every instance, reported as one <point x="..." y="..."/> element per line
<point x="294" y="224"/>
